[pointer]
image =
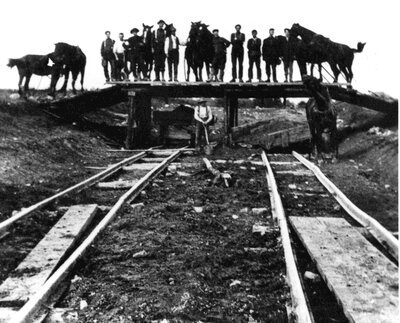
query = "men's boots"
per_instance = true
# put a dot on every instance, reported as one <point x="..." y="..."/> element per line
<point x="157" y="79"/>
<point x="162" y="77"/>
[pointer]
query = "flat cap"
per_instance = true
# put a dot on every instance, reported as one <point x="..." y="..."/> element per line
<point x="161" y="21"/>
<point x="134" y="30"/>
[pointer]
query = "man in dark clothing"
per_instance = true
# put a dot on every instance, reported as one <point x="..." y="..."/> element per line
<point x="237" y="41"/>
<point x="270" y="55"/>
<point x="159" y="37"/>
<point x="172" y="49"/>
<point x="108" y="56"/>
<point x="218" y="63"/>
<point x="288" y="56"/>
<point x="254" y="51"/>
<point x="136" y="54"/>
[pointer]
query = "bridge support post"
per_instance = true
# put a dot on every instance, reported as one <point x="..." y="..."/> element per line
<point x="231" y="115"/>
<point x="131" y="119"/>
<point x="139" y="119"/>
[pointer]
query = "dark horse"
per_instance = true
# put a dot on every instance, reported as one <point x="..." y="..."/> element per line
<point x="67" y="58"/>
<point x="148" y="55"/>
<point x="321" y="117"/>
<point x="28" y="65"/>
<point x="339" y="56"/>
<point x="200" y="50"/>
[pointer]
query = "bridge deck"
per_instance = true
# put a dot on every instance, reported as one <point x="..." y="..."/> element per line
<point x="257" y="90"/>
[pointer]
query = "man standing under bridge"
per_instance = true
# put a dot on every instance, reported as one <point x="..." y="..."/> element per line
<point x="204" y="118"/>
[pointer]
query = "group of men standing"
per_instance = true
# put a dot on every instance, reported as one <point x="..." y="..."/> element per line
<point x="117" y="54"/>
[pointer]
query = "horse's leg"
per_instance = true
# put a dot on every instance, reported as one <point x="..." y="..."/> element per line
<point x="208" y="70"/>
<point x="66" y="76"/>
<point x="27" y="80"/>
<point x="320" y="71"/>
<point x="201" y="73"/>
<point x="74" y="77"/>
<point x="335" y="71"/>
<point x="21" y="78"/>
<point x="312" y="69"/>
<point x="82" y="77"/>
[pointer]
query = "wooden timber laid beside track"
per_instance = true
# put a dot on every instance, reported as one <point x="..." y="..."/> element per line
<point x="363" y="280"/>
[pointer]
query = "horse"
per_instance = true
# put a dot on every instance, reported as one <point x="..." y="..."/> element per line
<point x="190" y="50"/>
<point x="28" y="65"/>
<point x="321" y="117"/>
<point x="67" y="58"/>
<point x="339" y="56"/>
<point x="148" y="55"/>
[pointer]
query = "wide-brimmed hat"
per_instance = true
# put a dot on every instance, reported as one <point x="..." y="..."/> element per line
<point x="214" y="30"/>
<point x="134" y="30"/>
<point x="161" y="21"/>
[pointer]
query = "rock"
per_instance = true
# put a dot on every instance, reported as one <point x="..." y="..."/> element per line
<point x="82" y="304"/>
<point x="308" y="275"/>
<point x="14" y="96"/>
<point x="235" y="217"/>
<point x="292" y="186"/>
<point x="183" y="174"/>
<point x="257" y="228"/>
<point x="259" y="211"/>
<point x="234" y="283"/>
<point x="198" y="209"/>
<point x="140" y="254"/>
<point x="143" y="194"/>
<point x="244" y="210"/>
<point x="387" y="186"/>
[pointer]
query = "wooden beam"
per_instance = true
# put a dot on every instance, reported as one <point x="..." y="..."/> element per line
<point x="34" y="270"/>
<point x="363" y="280"/>
<point x="131" y="121"/>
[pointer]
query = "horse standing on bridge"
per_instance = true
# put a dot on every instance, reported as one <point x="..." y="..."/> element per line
<point x="321" y="116"/>
<point x="199" y="50"/>
<point x="148" y="55"/>
<point x="339" y="56"/>
<point x="28" y="65"/>
<point x="67" y="58"/>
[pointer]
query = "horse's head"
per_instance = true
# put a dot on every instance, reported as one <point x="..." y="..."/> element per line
<point x="168" y="30"/>
<point x="147" y="28"/>
<point x="194" y="30"/>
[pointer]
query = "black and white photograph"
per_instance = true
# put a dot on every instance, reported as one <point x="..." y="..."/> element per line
<point x="199" y="161"/>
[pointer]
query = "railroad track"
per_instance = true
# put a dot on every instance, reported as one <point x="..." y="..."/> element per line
<point x="40" y="274"/>
<point x="334" y="233"/>
<point x="314" y="221"/>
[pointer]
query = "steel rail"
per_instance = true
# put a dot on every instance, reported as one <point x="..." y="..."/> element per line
<point x="382" y="235"/>
<point x="299" y="306"/>
<point x="77" y="187"/>
<point x="27" y="312"/>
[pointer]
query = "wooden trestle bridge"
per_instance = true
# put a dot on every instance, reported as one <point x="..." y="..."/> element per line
<point x="139" y="95"/>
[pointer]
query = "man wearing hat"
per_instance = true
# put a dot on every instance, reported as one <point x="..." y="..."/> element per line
<point x="271" y="55"/>
<point x="108" y="56"/>
<point x="254" y="52"/>
<point x="204" y="118"/>
<point x="172" y="50"/>
<point x="288" y="56"/>
<point x="218" y="63"/>
<point x="159" y="37"/>
<point x="136" y="54"/>
<point x="237" y="41"/>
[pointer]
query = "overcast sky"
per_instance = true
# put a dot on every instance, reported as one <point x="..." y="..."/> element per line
<point x="32" y="27"/>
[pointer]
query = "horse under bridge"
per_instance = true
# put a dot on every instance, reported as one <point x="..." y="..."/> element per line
<point x="139" y="95"/>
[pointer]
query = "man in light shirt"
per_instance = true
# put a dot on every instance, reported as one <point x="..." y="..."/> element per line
<point x="204" y="118"/>
<point x="119" y="51"/>
<point x="172" y="50"/>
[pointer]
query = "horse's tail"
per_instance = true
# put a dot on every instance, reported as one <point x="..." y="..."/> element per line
<point x="360" y="47"/>
<point x="12" y="62"/>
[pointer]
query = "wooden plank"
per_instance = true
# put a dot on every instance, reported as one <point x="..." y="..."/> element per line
<point x="364" y="281"/>
<point x="55" y="315"/>
<point x="43" y="259"/>
<point x="140" y="166"/>
<point x="116" y="185"/>
<point x="297" y="172"/>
